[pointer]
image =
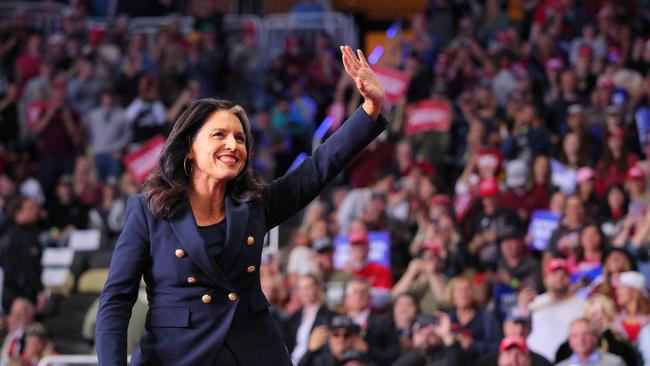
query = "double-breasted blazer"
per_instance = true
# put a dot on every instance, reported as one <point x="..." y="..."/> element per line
<point x="195" y="303"/>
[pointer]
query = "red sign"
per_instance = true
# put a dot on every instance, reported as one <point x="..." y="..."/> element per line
<point x="428" y="115"/>
<point x="394" y="81"/>
<point x="141" y="162"/>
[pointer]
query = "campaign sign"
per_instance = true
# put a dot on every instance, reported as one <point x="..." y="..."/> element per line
<point x="541" y="227"/>
<point x="379" y="249"/>
<point x="394" y="81"/>
<point x="142" y="161"/>
<point x="642" y="117"/>
<point x="428" y="115"/>
<point x="563" y="178"/>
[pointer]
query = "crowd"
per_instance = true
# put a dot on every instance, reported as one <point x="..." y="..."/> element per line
<point x="549" y="109"/>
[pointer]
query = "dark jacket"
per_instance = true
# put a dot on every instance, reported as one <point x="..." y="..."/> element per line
<point x="383" y="343"/>
<point x="323" y="317"/>
<point x="20" y="260"/>
<point x="188" y="322"/>
<point x="439" y="355"/>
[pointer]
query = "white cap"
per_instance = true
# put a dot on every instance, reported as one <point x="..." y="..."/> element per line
<point x="635" y="280"/>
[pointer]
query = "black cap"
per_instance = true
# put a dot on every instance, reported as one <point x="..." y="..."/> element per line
<point x="344" y="321"/>
<point x="510" y="232"/>
<point x="322" y="245"/>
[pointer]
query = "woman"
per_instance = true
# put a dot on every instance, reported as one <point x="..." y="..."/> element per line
<point x="614" y="210"/>
<point x="197" y="235"/>
<point x="585" y="263"/>
<point x="632" y="295"/>
<point x="615" y="162"/>
<point x="615" y="262"/>
<point x="564" y="240"/>
<point x="478" y="331"/>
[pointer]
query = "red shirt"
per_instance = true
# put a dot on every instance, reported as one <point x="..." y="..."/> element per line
<point x="377" y="275"/>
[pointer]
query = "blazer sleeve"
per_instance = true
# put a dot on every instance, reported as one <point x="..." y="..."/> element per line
<point x="290" y="193"/>
<point x="121" y="288"/>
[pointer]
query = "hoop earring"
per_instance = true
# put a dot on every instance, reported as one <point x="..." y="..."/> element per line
<point x="185" y="167"/>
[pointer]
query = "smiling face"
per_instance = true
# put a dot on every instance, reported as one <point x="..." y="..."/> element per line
<point x="219" y="148"/>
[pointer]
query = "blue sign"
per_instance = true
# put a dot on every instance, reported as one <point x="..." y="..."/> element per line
<point x="379" y="249"/>
<point x="642" y="117"/>
<point x="541" y="227"/>
<point x="563" y="178"/>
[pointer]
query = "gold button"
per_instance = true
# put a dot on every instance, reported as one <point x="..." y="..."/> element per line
<point x="232" y="296"/>
<point x="250" y="269"/>
<point x="250" y="240"/>
<point x="180" y="253"/>
<point x="191" y="280"/>
<point x="206" y="299"/>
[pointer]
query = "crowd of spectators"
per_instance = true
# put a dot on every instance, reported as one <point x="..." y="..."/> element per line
<point x="549" y="106"/>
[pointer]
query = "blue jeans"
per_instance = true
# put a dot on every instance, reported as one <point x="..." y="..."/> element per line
<point x="107" y="166"/>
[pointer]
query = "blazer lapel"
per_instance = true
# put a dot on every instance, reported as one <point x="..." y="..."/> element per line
<point x="237" y="220"/>
<point x="184" y="226"/>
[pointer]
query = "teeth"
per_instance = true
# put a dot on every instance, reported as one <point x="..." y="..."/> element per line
<point x="228" y="159"/>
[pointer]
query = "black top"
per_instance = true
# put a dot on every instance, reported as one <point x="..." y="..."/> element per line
<point x="214" y="237"/>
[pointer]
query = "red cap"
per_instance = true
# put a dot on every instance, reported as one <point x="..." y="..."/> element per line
<point x="358" y="237"/>
<point x="488" y="187"/>
<point x="635" y="173"/>
<point x="555" y="264"/>
<point x="442" y="200"/>
<point x="513" y="341"/>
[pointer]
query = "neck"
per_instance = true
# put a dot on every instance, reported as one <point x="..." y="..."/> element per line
<point x="632" y="308"/>
<point x="355" y="313"/>
<point x="207" y="198"/>
<point x="584" y="357"/>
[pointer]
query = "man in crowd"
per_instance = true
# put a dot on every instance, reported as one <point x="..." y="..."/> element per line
<point x="377" y="275"/>
<point x="553" y="311"/>
<point x="433" y="343"/>
<point x="516" y="326"/>
<point x="379" y="340"/>
<point x="21" y="315"/>
<point x="583" y="339"/>
<point x="313" y="314"/>
<point x="328" y="345"/>
<point x="333" y="279"/>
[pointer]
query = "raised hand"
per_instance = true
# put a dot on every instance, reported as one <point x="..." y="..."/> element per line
<point x="365" y="79"/>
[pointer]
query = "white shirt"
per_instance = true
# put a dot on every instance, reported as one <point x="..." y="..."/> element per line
<point x="551" y="322"/>
<point x="302" y="335"/>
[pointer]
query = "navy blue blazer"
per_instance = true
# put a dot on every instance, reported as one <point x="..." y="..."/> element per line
<point x="195" y="304"/>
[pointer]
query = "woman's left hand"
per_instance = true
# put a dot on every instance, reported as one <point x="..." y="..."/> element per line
<point x="367" y="82"/>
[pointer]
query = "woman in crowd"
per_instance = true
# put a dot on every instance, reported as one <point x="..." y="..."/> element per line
<point x="632" y="296"/>
<point x="478" y="331"/>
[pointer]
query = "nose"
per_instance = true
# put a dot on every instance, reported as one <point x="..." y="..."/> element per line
<point x="231" y="143"/>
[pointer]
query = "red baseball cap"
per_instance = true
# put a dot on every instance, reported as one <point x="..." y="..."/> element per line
<point x="488" y="187"/>
<point x="635" y="173"/>
<point x="555" y="264"/>
<point x="358" y="236"/>
<point x="442" y="200"/>
<point x="513" y="341"/>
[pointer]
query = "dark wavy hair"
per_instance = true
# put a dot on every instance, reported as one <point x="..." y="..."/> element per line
<point x="165" y="188"/>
